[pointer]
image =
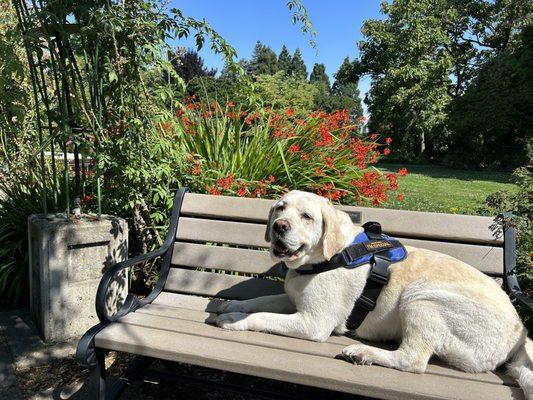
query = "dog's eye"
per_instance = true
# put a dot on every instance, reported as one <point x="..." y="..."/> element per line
<point x="307" y="216"/>
<point x="281" y="207"/>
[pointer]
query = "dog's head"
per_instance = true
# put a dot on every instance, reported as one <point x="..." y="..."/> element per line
<point x="304" y="228"/>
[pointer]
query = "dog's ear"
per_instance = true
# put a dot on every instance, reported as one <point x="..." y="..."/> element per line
<point x="267" y="232"/>
<point x="332" y="237"/>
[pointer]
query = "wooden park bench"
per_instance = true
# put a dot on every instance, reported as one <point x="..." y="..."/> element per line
<point x="215" y="250"/>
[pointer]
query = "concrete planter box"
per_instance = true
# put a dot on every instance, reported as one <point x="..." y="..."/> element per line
<point x="67" y="260"/>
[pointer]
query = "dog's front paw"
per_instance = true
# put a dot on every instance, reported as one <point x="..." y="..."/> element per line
<point x="358" y="354"/>
<point x="232" y="306"/>
<point x="234" y="321"/>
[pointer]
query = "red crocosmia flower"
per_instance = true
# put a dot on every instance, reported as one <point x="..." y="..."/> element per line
<point x="386" y="151"/>
<point x="295" y="148"/>
<point x="289" y="112"/>
<point x="402" y="171"/>
<point x="88" y="198"/>
<point x="400" y="197"/>
<point x="393" y="181"/>
<point x="362" y="119"/>
<point x="167" y="127"/>
<point x="230" y="104"/>
<point x="242" y="192"/>
<point x="227" y="182"/>
<point x="330" y="162"/>
<point x="179" y="113"/>
<point x="373" y="136"/>
<point x="388" y="140"/>
<point x="197" y="170"/>
<point x="213" y="190"/>
<point x="271" y="179"/>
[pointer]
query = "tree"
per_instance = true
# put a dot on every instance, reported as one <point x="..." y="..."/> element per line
<point x="344" y="94"/>
<point x="282" y="91"/>
<point x="492" y="121"/>
<point x="298" y="68"/>
<point x="319" y="76"/>
<point x="264" y="61"/>
<point x="208" y="88"/>
<point x="188" y="64"/>
<point x="320" y="79"/>
<point x="423" y="55"/>
<point x="284" y="60"/>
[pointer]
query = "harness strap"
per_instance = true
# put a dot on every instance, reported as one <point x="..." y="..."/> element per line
<point x="379" y="277"/>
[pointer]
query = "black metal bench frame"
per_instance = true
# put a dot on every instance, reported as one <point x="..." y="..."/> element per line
<point x="92" y="357"/>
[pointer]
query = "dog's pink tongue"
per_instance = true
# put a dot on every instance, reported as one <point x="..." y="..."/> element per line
<point x="294" y="257"/>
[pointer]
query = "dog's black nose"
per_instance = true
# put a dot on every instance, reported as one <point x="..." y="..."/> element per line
<point x="281" y="225"/>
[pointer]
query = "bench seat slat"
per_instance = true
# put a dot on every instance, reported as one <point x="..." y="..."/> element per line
<point x="488" y="259"/>
<point x="198" y="349"/>
<point x="193" y="322"/>
<point x="426" y="225"/>
<point x="225" y="286"/>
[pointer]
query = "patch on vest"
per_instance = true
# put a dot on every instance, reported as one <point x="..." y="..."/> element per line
<point x="378" y="245"/>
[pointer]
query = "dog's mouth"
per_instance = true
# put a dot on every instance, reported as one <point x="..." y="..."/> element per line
<point x="281" y="250"/>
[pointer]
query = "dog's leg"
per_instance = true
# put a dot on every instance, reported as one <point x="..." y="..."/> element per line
<point x="296" y="325"/>
<point x="420" y="339"/>
<point x="279" y="303"/>
<point x="410" y="357"/>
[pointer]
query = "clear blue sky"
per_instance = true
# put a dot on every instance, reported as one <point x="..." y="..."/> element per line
<point x="337" y="22"/>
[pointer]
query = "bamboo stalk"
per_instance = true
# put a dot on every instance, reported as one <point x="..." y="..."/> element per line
<point x="33" y="77"/>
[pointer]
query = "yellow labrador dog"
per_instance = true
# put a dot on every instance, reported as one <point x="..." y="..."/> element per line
<point x="433" y="304"/>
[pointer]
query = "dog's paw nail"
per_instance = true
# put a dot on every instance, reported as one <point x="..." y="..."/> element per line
<point x="232" y="321"/>
<point x="357" y="355"/>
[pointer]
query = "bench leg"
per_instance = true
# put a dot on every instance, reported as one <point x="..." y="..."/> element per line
<point x="98" y="377"/>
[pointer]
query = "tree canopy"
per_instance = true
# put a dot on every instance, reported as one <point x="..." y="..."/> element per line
<point x="264" y="61"/>
<point x="282" y="91"/>
<point x="188" y="64"/>
<point x="284" y="60"/>
<point x="298" y="68"/>
<point x="319" y="76"/>
<point x="423" y="55"/>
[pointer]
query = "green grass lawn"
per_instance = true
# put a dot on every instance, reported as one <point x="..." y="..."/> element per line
<point x="441" y="189"/>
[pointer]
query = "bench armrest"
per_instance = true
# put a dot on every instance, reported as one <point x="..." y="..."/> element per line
<point x="132" y="302"/>
<point x="509" y="259"/>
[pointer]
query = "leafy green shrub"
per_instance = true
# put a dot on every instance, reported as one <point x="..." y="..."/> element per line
<point x="281" y="90"/>
<point x="17" y="202"/>
<point x="264" y="153"/>
<point x="521" y="205"/>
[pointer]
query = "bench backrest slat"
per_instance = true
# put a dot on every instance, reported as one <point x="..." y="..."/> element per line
<point x="219" y="233"/>
<point x="401" y="223"/>
<point x="248" y="261"/>
<point x="224" y="286"/>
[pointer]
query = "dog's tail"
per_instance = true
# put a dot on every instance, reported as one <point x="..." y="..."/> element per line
<point x="520" y="367"/>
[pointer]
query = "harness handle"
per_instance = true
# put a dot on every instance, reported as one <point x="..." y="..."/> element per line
<point x="372" y="230"/>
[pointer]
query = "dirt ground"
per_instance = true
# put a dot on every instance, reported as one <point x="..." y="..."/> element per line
<point x="67" y="372"/>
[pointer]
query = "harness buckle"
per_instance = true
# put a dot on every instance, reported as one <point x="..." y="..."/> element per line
<point x="380" y="269"/>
